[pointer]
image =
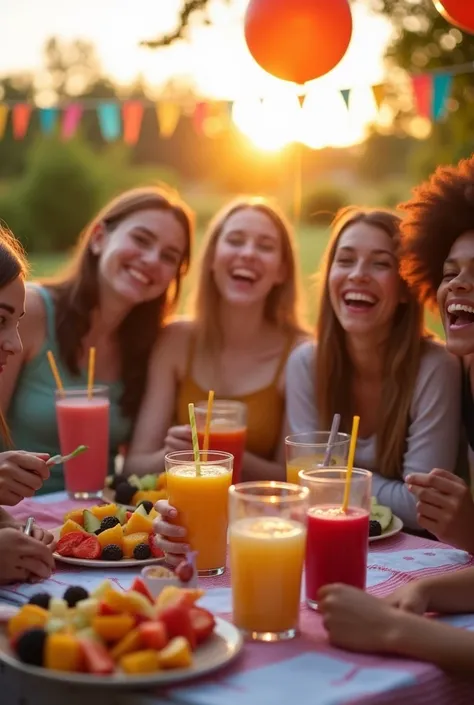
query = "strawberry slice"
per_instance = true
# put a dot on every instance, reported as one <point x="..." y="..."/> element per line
<point x="202" y="622"/>
<point x="90" y="549"/>
<point x="156" y="551"/>
<point x="177" y="620"/>
<point x="67" y="544"/>
<point x="138" y="585"/>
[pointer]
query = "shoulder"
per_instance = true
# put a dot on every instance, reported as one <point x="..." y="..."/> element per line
<point x="437" y="360"/>
<point x="33" y="326"/>
<point x="439" y="377"/>
<point x="302" y="359"/>
<point x="173" y="343"/>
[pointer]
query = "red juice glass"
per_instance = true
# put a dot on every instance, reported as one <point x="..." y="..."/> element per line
<point x="337" y="541"/>
<point x="84" y="421"/>
<point x="228" y="429"/>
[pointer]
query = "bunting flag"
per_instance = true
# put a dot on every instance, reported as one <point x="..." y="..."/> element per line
<point x="48" y="118"/>
<point x="346" y="94"/>
<point x="201" y="113"/>
<point x="71" y="119"/>
<point x="3" y="119"/>
<point x="442" y="84"/>
<point x="132" y="114"/>
<point x="21" y="119"/>
<point x="301" y="99"/>
<point x="378" y="91"/>
<point x="422" y="92"/>
<point x="168" y="115"/>
<point x="109" y="120"/>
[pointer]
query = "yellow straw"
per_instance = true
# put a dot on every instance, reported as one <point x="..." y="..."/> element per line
<point x="350" y="462"/>
<point x="207" y="428"/>
<point x="194" y="436"/>
<point x="90" y="373"/>
<point x="54" y="370"/>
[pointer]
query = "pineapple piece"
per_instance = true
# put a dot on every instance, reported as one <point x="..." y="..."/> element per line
<point x="140" y="662"/>
<point x="177" y="654"/>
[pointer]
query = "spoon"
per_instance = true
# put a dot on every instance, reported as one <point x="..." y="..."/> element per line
<point x="58" y="459"/>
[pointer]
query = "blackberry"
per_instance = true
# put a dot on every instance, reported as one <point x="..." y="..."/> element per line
<point x="75" y="594"/>
<point x="41" y="599"/>
<point x="115" y="481"/>
<point x="375" y="528"/>
<point x="141" y="552"/>
<point x="112" y="552"/>
<point x="30" y="646"/>
<point x="108" y="523"/>
<point x="124" y="493"/>
<point x="147" y="504"/>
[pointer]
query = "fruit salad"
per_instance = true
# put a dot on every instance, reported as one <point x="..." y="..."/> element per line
<point x="133" y="490"/>
<point x="380" y="518"/>
<point x="109" y="533"/>
<point x="109" y="632"/>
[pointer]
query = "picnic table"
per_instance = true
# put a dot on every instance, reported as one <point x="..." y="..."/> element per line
<point x="304" y="671"/>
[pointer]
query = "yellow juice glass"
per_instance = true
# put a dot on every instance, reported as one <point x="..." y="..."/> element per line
<point x="201" y="500"/>
<point x="267" y="539"/>
<point x="308" y="451"/>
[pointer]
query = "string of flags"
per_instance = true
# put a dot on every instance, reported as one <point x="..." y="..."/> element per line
<point x="122" y="119"/>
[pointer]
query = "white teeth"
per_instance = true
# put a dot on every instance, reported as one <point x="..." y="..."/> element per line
<point x="358" y="296"/>
<point x="244" y="273"/>
<point x="138" y="276"/>
<point x="452" y="308"/>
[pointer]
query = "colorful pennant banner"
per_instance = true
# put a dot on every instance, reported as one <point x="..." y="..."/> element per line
<point x="431" y="93"/>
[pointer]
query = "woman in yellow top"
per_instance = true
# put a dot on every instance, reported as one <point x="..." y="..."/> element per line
<point x="245" y="325"/>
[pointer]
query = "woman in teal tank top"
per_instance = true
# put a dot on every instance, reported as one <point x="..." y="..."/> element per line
<point x="122" y="283"/>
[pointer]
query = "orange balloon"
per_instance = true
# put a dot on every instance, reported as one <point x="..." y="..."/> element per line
<point x="458" y="12"/>
<point x="298" y="40"/>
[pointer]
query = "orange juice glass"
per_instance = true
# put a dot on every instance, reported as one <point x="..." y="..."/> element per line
<point x="201" y="500"/>
<point x="307" y="451"/>
<point x="228" y="430"/>
<point x="267" y="538"/>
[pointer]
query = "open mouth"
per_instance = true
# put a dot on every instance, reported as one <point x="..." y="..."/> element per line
<point x="359" y="301"/>
<point x="460" y="315"/>
<point x="244" y="275"/>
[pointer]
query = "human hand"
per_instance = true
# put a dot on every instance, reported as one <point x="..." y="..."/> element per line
<point x="178" y="438"/>
<point x="413" y="597"/>
<point x="168" y="534"/>
<point x="23" y="557"/>
<point x="21" y="475"/>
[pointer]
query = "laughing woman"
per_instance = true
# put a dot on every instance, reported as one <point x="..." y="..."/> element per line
<point x="373" y="358"/>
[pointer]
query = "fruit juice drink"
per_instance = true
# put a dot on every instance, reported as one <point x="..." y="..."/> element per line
<point x="306" y="451"/>
<point x="83" y="421"/>
<point x="336" y="547"/>
<point x="266" y="558"/>
<point x="202" y="505"/>
<point x="227" y="429"/>
<point x="304" y="462"/>
<point x="231" y="440"/>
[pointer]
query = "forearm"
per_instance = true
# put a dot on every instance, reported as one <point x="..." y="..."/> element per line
<point x="144" y="463"/>
<point x="256" y="468"/>
<point x="450" y="593"/>
<point x="425" y="639"/>
<point x="395" y="494"/>
<point x="6" y="519"/>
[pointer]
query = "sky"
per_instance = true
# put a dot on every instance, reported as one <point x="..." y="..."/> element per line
<point x="215" y="58"/>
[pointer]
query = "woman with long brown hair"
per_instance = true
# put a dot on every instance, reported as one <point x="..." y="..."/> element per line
<point x="122" y="284"/>
<point x="373" y="357"/>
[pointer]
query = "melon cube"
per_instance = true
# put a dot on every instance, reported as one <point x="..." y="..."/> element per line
<point x="132" y="540"/>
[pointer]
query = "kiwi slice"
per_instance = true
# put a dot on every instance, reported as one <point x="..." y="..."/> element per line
<point x="141" y="510"/>
<point x="121" y="514"/>
<point x="381" y="514"/>
<point x="148" y="482"/>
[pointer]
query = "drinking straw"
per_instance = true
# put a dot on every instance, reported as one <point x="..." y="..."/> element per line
<point x="350" y="462"/>
<point x="54" y="370"/>
<point x="210" y="402"/>
<point x="90" y="373"/>
<point x="332" y="437"/>
<point x="194" y="436"/>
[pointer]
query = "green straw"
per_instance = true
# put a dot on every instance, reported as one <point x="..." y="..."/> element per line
<point x="194" y="436"/>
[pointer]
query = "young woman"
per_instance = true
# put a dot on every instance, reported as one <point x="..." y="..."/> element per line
<point x="122" y="284"/>
<point x="21" y="474"/>
<point x="246" y="322"/>
<point x="373" y="358"/>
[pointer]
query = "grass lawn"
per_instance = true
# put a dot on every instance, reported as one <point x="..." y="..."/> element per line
<point x="311" y="244"/>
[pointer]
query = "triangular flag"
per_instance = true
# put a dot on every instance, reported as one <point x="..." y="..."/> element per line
<point x="378" y="91"/>
<point x="301" y="99"/>
<point x="132" y="114"/>
<point x="21" y="119"/>
<point x="201" y="112"/>
<point x="47" y="119"/>
<point x="71" y="120"/>
<point x="422" y="92"/>
<point x="3" y="119"/>
<point x="168" y="115"/>
<point x="109" y="121"/>
<point x="346" y="94"/>
<point x="442" y="84"/>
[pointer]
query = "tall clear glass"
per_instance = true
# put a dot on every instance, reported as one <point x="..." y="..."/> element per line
<point x="228" y="430"/>
<point x="307" y="450"/>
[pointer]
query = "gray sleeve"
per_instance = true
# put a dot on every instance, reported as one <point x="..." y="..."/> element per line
<point x="301" y="410"/>
<point x="433" y="433"/>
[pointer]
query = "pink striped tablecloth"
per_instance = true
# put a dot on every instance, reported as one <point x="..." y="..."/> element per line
<point x="305" y="670"/>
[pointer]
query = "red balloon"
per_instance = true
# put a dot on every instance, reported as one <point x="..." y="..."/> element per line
<point x="458" y="12"/>
<point x="298" y="40"/>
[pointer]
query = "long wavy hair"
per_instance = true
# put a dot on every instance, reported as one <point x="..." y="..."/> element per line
<point x="334" y="370"/>
<point x="76" y="294"/>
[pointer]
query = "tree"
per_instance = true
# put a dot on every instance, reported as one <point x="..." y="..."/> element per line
<point x="189" y="10"/>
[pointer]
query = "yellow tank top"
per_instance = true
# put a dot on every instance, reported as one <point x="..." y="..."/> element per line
<point x="265" y="407"/>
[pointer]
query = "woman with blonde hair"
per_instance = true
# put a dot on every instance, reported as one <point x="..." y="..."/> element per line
<point x="373" y="357"/>
<point x="245" y="324"/>
<point x="119" y="289"/>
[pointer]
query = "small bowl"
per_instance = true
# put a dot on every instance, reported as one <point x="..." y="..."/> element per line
<point x="156" y="584"/>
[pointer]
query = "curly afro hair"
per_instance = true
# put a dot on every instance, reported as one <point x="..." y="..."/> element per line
<point x="440" y="210"/>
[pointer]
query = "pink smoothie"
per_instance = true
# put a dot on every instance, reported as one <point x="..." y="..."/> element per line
<point x="336" y="548"/>
<point x="84" y="422"/>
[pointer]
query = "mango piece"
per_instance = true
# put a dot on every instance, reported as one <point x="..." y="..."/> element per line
<point x="69" y="526"/>
<point x="117" y="601"/>
<point x="138" y="524"/>
<point x="177" y="654"/>
<point x="111" y="536"/>
<point x="130" y="643"/>
<point x="161" y="481"/>
<point x="171" y="593"/>
<point x="140" y="662"/>
<point x="149" y="495"/>
<point x="76" y="515"/>
<point x="139" y="605"/>
<point x="112" y="628"/>
<point x="28" y="617"/>
<point x="132" y="540"/>
<point x="63" y="653"/>
<point x="104" y="510"/>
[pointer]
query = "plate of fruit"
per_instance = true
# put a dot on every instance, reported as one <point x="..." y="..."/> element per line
<point x="115" y="638"/>
<point x="383" y="522"/>
<point x="107" y="535"/>
<point x="130" y="491"/>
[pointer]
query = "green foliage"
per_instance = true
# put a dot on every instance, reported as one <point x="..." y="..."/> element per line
<point x="320" y="205"/>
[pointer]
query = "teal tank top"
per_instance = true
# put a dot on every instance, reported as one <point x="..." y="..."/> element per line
<point x="31" y="415"/>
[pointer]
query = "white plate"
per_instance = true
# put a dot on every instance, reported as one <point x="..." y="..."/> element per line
<point x="124" y="563"/>
<point x="218" y="651"/>
<point x="394" y="528"/>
